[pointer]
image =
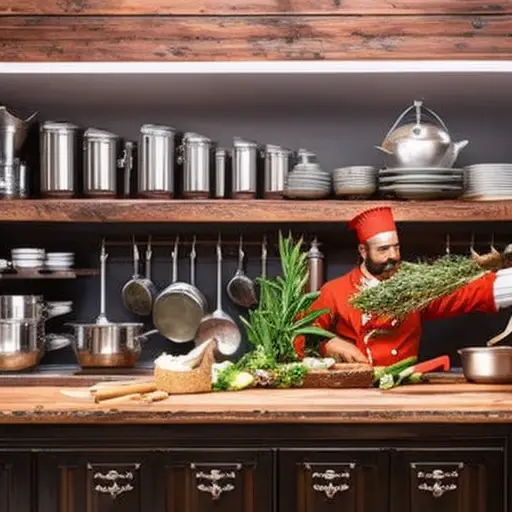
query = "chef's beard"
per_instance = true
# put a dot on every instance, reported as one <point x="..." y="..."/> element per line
<point x="381" y="270"/>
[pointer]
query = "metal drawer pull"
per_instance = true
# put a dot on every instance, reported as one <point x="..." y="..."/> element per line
<point x="113" y="475"/>
<point x="330" y="475"/>
<point x="215" y="490"/>
<point x="215" y="475"/>
<point x="331" y="490"/>
<point x="114" y="490"/>
<point x="437" y="489"/>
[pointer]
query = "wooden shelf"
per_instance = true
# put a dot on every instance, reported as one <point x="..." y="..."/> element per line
<point x="255" y="211"/>
<point x="46" y="274"/>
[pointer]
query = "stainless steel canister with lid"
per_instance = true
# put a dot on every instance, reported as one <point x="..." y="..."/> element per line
<point x="197" y="165"/>
<point x="277" y="167"/>
<point x="222" y="162"/>
<point x="58" y="147"/>
<point x="245" y="168"/>
<point x="156" y="161"/>
<point x="100" y="163"/>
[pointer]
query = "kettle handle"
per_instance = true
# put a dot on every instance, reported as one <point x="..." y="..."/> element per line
<point x="417" y="105"/>
<point x="437" y="118"/>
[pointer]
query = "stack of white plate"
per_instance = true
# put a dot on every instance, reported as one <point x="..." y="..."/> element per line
<point x="59" y="260"/>
<point x="307" y="181"/>
<point x="488" y="182"/>
<point x="421" y="183"/>
<point x="29" y="258"/>
<point x="355" y="182"/>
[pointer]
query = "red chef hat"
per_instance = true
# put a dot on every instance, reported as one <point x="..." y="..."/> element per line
<point x="372" y="222"/>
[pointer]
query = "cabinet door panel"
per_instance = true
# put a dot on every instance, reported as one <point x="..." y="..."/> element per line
<point x="333" y="480"/>
<point x="449" y="480"/>
<point x="95" y="482"/>
<point x="220" y="480"/>
<point x="15" y="482"/>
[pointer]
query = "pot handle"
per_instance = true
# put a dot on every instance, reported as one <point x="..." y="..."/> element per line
<point x="57" y="341"/>
<point x="50" y="312"/>
<point x="145" y="335"/>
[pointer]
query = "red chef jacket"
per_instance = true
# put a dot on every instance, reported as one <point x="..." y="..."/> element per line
<point x="404" y="339"/>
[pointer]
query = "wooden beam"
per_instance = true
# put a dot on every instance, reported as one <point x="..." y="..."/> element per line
<point x="250" y="7"/>
<point x="255" y="211"/>
<point x="165" y="38"/>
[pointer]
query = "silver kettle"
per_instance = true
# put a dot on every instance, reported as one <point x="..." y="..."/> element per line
<point x="420" y="144"/>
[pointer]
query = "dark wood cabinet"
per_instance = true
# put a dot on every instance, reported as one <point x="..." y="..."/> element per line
<point x="201" y="469"/>
<point x="216" y="480"/>
<point x="449" y="480"/>
<point x="123" y="481"/>
<point x="15" y="482"/>
<point x="325" y="481"/>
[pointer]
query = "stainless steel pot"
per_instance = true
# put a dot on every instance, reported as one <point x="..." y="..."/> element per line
<point x="104" y="343"/>
<point x="23" y="343"/>
<point x="30" y="307"/>
<point x="487" y="365"/>
<point x="108" y="345"/>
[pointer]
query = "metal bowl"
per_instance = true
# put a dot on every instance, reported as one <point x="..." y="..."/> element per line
<point x="487" y="365"/>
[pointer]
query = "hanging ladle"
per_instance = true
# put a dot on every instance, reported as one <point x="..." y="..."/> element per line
<point x="219" y="325"/>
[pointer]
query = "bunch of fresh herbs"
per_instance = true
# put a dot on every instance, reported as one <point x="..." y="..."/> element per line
<point x="416" y="284"/>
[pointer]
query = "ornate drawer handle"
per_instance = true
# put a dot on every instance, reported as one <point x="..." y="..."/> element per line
<point x="331" y="490"/>
<point x="215" y="490"/>
<point x="331" y="475"/>
<point x="214" y="475"/>
<point x="113" y="475"/>
<point x="114" y="490"/>
<point x="438" y="474"/>
<point x="437" y="489"/>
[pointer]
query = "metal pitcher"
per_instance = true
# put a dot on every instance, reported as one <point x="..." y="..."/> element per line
<point x="13" y="132"/>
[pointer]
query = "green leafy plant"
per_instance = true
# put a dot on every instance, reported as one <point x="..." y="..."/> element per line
<point x="283" y="312"/>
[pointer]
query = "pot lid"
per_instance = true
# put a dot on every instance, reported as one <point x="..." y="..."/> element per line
<point x="272" y="148"/>
<point x="196" y="138"/>
<point x="243" y="143"/>
<point x="58" y="126"/>
<point x="157" y="129"/>
<point x="94" y="133"/>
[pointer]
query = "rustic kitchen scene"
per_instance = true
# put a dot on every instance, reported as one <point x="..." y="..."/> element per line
<point x="262" y="289"/>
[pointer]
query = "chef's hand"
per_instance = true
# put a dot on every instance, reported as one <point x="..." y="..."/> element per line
<point x="344" y="350"/>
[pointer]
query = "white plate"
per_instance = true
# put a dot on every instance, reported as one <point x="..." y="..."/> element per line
<point x="426" y="170"/>
<point x="425" y="178"/>
<point x="423" y="191"/>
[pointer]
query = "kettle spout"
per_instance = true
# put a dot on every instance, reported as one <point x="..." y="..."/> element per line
<point x="30" y="119"/>
<point x="458" y="146"/>
<point x="384" y="150"/>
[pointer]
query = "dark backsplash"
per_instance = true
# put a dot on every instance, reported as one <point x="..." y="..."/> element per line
<point x="439" y="337"/>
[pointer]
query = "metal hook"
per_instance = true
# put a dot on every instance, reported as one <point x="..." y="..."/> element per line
<point x="472" y="245"/>
<point x="447" y="244"/>
<point x="193" y="249"/>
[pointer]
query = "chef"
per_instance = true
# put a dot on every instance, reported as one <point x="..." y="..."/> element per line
<point x="361" y="338"/>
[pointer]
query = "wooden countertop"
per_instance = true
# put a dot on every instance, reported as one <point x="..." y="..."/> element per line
<point x="445" y="403"/>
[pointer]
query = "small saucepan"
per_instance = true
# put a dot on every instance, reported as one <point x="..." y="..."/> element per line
<point x="487" y="365"/>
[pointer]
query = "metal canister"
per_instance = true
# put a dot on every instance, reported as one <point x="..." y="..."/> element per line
<point x="277" y="167"/>
<point x="315" y="267"/>
<point x="156" y="161"/>
<point x="100" y="163"/>
<point x="58" y="146"/>
<point x="222" y="158"/>
<point x="7" y="144"/>
<point x="197" y="168"/>
<point x="245" y="158"/>
<point x="14" y="180"/>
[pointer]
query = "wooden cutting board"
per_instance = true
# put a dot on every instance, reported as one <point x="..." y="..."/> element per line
<point x="456" y="387"/>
